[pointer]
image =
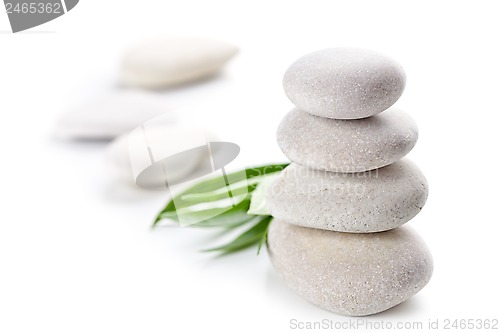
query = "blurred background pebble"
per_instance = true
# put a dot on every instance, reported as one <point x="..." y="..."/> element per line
<point x="168" y="62"/>
<point x="111" y="115"/>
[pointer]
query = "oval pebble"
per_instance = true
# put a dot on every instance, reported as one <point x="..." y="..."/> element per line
<point x="347" y="145"/>
<point x="370" y="201"/>
<point x="129" y="152"/>
<point x="173" y="61"/>
<point x="111" y="115"/>
<point x="350" y="274"/>
<point x="344" y="83"/>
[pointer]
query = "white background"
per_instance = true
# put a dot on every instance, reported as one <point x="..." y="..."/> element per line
<point x="76" y="250"/>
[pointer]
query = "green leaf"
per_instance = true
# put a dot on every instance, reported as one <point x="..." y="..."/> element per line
<point x="205" y="189"/>
<point x="227" y="221"/>
<point x="252" y="236"/>
<point x="209" y="217"/>
<point x="232" y="217"/>
<point x="222" y="193"/>
<point x="229" y="202"/>
<point x="263" y="239"/>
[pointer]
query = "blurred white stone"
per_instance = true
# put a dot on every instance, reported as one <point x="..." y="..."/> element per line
<point x="173" y="61"/>
<point x="111" y="115"/>
<point x="131" y="154"/>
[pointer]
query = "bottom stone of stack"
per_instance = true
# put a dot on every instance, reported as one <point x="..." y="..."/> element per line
<point x="350" y="274"/>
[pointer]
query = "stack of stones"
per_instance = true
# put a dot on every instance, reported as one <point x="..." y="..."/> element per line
<point x="337" y="238"/>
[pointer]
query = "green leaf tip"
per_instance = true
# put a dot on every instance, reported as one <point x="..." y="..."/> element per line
<point x="253" y="236"/>
<point x="207" y="204"/>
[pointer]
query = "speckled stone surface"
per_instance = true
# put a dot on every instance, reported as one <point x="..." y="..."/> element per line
<point x="344" y="83"/>
<point x="372" y="201"/>
<point x="169" y="62"/>
<point x="350" y="274"/>
<point x="347" y="145"/>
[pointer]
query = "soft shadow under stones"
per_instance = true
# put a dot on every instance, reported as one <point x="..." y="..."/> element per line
<point x="276" y="288"/>
<point x="408" y="307"/>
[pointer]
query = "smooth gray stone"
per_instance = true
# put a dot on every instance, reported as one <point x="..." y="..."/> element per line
<point x="344" y="83"/>
<point x="347" y="145"/>
<point x="350" y="274"/>
<point x="371" y="201"/>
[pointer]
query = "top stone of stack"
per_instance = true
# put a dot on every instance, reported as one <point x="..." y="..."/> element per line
<point x="344" y="83"/>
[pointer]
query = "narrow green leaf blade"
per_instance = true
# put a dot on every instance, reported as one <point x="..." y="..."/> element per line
<point x="194" y="198"/>
<point x="252" y="236"/>
<point x="218" y="216"/>
<point x="263" y="239"/>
